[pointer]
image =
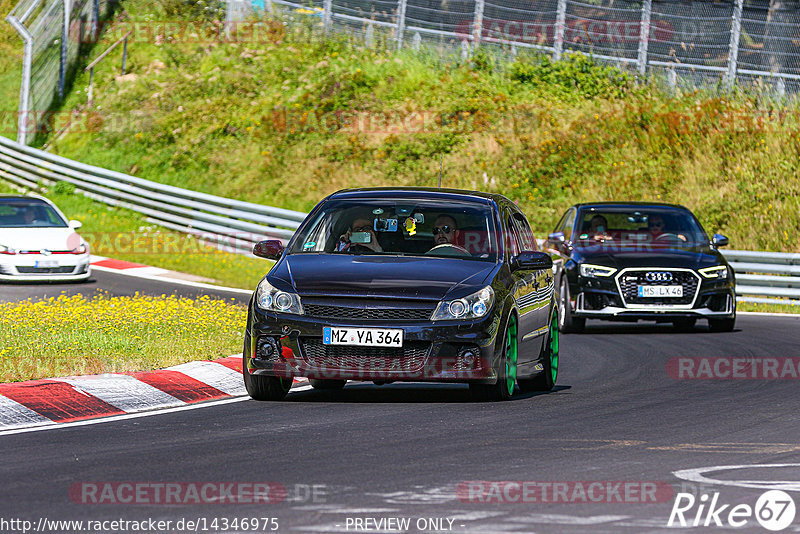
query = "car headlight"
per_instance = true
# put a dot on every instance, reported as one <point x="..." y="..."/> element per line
<point x="271" y="299"/>
<point x="7" y="250"/>
<point x="718" y="272"/>
<point x="472" y="306"/>
<point x="82" y="249"/>
<point x="592" y="271"/>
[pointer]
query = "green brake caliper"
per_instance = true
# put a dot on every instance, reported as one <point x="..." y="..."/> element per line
<point x="511" y="355"/>
<point x="554" y="348"/>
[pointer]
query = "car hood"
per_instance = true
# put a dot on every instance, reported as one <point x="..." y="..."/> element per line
<point x="381" y="276"/>
<point x="620" y="258"/>
<point x="40" y="238"/>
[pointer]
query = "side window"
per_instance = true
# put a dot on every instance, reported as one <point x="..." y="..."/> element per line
<point x="569" y="223"/>
<point x="512" y="237"/>
<point x="527" y="240"/>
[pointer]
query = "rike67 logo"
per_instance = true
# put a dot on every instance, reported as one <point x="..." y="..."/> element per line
<point x="774" y="510"/>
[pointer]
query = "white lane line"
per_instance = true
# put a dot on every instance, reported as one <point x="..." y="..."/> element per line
<point x="767" y="314"/>
<point x="123" y="391"/>
<point x="209" y="404"/>
<point x="215" y="375"/>
<point x="697" y="474"/>
<point x="560" y="519"/>
<point x="14" y="414"/>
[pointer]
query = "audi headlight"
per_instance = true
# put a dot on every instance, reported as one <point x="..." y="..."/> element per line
<point x="718" y="272"/>
<point x="271" y="299"/>
<point x="472" y="306"/>
<point x="592" y="271"/>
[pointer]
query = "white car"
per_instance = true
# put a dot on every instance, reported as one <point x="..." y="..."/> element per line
<point x="37" y="242"/>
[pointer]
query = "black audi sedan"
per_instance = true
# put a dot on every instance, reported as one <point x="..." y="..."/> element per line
<point x="630" y="261"/>
<point x="405" y="284"/>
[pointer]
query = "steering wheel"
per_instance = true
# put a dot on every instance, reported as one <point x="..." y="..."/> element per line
<point x="450" y="249"/>
<point x="668" y="236"/>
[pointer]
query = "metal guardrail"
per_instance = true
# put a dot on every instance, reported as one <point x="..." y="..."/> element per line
<point x="234" y="224"/>
<point x="766" y="277"/>
<point x="762" y="277"/>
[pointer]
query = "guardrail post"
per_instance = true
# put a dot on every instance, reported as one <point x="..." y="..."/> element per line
<point x="62" y="70"/>
<point x="124" y="55"/>
<point x="327" y="15"/>
<point x="401" y="22"/>
<point x="477" y="23"/>
<point x="560" y="30"/>
<point x="733" y="51"/>
<point x="25" y="87"/>
<point x="644" y="36"/>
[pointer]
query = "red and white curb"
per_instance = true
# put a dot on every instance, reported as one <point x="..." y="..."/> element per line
<point x="66" y="400"/>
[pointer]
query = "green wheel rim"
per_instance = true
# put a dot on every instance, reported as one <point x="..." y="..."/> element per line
<point x="554" y="348"/>
<point x="511" y="355"/>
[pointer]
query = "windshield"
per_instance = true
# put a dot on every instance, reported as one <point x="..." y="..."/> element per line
<point x="400" y="227"/>
<point x="23" y="213"/>
<point x="653" y="227"/>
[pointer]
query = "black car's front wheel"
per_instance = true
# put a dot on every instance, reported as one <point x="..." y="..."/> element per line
<point x="567" y="323"/>
<point x="545" y="380"/>
<point x="503" y="389"/>
<point x="263" y="388"/>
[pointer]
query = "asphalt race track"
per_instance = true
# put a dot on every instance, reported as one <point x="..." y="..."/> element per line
<point x="404" y="451"/>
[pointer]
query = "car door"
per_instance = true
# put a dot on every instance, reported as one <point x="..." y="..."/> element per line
<point x="526" y="293"/>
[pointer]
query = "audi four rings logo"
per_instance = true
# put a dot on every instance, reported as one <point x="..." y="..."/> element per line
<point x="658" y="277"/>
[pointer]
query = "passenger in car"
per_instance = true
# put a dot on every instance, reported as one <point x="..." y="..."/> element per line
<point x="598" y="229"/>
<point x="360" y="237"/>
<point x="445" y="230"/>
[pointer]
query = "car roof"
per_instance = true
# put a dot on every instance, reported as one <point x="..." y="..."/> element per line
<point x="417" y="192"/>
<point x="623" y="205"/>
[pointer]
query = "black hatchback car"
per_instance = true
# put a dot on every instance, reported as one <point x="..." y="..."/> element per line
<point x="409" y="284"/>
<point x="630" y="261"/>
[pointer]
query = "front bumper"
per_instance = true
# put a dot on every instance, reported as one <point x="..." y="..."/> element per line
<point x="595" y="298"/>
<point x="432" y="351"/>
<point x="24" y="268"/>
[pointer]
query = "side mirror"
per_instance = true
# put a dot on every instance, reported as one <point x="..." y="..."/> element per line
<point x="556" y="237"/>
<point x="719" y="240"/>
<point x="75" y="224"/>
<point x="532" y="261"/>
<point x="271" y="250"/>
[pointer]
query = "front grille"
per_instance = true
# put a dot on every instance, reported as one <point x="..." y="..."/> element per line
<point x="367" y="314"/>
<point x="409" y="358"/>
<point x="629" y="282"/>
<point x="46" y="270"/>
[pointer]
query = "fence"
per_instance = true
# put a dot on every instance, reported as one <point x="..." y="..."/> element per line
<point x="693" y="41"/>
<point x="764" y="277"/>
<point x="233" y="223"/>
<point x="52" y="32"/>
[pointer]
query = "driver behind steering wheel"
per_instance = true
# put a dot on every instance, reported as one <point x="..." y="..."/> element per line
<point x="446" y="233"/>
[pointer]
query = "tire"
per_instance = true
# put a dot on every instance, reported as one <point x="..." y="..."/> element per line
<point x="546" y="380"/>
<point x="568" y="323"/>
<point x="721" y="325"/>
<point x="263" y="388"/>
<point x="684" y="324"/>
<point x="503" y="389"/>
<point x="327" y="384"/>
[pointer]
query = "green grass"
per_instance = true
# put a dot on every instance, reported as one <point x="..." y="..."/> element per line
<point x="74" y="335"/>
<point x="123" y="234"/>
<point x="10" y="71"/>
<point x="767" y="308"/>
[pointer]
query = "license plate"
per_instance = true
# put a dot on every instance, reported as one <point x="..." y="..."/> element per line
<point x="46" y="264"/>
<point x="367" y="337"/>
<point x="660" y="291"/>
